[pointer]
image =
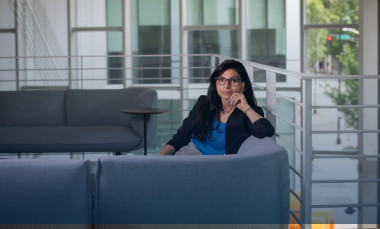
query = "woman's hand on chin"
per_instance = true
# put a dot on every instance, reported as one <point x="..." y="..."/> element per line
<point x="239" y="100"/>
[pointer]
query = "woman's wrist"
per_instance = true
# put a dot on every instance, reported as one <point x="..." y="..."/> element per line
<point x="247" y="109"/>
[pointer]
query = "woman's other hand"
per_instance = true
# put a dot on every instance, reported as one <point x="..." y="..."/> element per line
<point x="239" y="100"/>
<point x="167" y="150"/>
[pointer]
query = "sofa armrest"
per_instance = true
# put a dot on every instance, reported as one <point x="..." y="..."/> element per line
<point x="45" y="192"/>
<point x="145" y="99"/>
<point x="256" y="147"/>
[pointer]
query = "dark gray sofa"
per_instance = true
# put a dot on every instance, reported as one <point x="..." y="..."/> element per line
<point x="251" y="187"/>
<point x="74" y="120"/>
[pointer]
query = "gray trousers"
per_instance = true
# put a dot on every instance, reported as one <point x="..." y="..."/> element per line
<point x="189" y="149"/>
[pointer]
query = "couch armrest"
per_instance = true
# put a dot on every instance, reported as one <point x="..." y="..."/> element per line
<point x="45" y="192"/>
<point x="145" y="99"/>
<point x="256" y="147"/>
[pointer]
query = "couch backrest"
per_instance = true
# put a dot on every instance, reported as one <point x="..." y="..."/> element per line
<point x="243" y="189"/>
<point x="45" y="192"/>
<point x="32" y="108"/>
<point x="99" y="107"/>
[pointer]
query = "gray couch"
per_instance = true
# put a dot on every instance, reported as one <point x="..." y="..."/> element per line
<point x="74" y="120"/>
<point x="251" y="187"/>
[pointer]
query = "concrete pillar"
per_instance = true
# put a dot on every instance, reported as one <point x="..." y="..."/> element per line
<point x="368" y="118"/>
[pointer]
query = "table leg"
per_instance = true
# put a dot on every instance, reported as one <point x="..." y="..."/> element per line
<point x="145" y="150"/>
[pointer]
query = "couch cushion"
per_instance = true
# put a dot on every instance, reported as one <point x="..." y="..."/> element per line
<point x="98" y="107"/>
<point x="45" y="192"/>
<point x="32" y="108"/>
<point x="68" y="139"/>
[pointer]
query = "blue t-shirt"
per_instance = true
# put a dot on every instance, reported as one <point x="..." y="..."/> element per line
<point x="216" y="144"/>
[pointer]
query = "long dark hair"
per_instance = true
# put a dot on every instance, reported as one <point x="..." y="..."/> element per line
<point x="213" y="105"/>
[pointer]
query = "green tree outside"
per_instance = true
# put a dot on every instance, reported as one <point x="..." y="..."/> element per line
<point x="344" y="52"/>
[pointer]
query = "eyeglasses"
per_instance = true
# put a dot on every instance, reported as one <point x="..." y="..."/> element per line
<point x="221" y="81"/>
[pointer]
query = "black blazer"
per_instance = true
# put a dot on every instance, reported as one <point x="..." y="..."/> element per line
<point x="238" y="128"/>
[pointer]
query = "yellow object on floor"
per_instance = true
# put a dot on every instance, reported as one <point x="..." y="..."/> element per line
<point x="320" y="219"/>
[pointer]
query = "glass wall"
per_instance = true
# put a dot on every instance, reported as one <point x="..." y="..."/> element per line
<point x="210" y="27"/>
<point x="331" y="36"/>
<point x="212" y="12"/>
<point x="7" y="65"/>
<point x="206" y="34"/>
<point x="97" y="32"/>
<point x="88" y="13"/>
<point x="266" y="34"/>
<point x="115" y="42"/>
<point x="7" y="47"/>
<point x="152" y="34"/>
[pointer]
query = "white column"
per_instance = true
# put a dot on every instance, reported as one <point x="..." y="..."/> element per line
<point x="293" y="36"/>
<point x="243" y="29"/>
<point x="368" y="143"/>
<point x="127" y="30"/>
<point x="184" y="61"/>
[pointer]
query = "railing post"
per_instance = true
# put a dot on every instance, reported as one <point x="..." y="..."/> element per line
<point x="16" y="47"/>
<point x="81" y="72"/>
<point x="213" y="62"/>
<point x="184" y="81"/>
<point x="306" y="188"/>
<point x="271" y="98"/>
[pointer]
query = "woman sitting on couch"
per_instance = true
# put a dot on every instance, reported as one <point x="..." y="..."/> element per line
<point x="221" y="121"/>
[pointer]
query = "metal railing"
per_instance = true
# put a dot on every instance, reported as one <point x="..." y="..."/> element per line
<point x="181" y="79"/>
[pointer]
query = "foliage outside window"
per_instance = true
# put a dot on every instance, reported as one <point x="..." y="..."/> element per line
<point x="334" y="51"/>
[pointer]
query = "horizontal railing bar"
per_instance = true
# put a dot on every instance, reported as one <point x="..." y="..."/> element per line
<point x="295" y="171"/>
<point x="344" y="205"/>
<point x="347" y="156"/>
<point x="91" y="79"/>
<point x="290" y="144"/>
<point x="343" y="131"/>
<point x="292" y="89"/>
<point x="330" y="26"/>
<point x="289" y="99"/>
<point x="305" y="76"/>
<point x="109" y="56"/>
<point x="261" y="88"/>
<point x="8" y="30"/>
<point x="97" y="29"/>
<point x="344" y="181"/>
<point x="105" y="68"/>
<point x="210" y="27"/>
<point x="345" y="106"/>
<point x="258" y="86"/>
<point x="287" y="121"/>
<point x="296" y="195"/>
<point x="341" y="152"/>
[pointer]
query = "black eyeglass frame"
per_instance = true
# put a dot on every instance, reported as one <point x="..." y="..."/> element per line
<point x="230" y="80"/>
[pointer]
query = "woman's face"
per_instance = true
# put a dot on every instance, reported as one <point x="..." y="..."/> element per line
<point x="227" y="83"/>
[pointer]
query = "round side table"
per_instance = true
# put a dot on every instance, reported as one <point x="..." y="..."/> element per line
<point x="145" y="112"/>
